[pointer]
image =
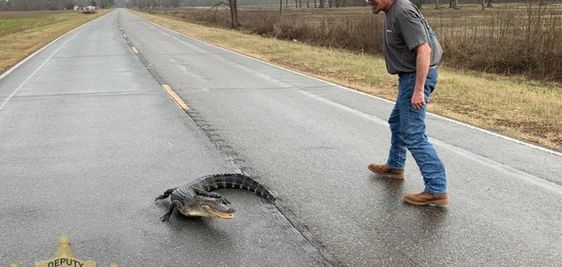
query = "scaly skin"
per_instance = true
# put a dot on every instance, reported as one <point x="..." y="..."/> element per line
<point x="196" y="198"/>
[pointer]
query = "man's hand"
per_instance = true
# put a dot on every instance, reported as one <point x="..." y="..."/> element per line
<point x="423" y="53"/>
<point x="418" y="99"/>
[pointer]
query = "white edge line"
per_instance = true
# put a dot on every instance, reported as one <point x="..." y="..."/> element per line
<point x="530" y="178"/>
<point x="45" y="47"/>
<point x="35" y="71"/>
<point x="365" y="94"/>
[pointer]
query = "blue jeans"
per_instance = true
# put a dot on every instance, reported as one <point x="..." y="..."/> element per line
<point x="408" y="132"/>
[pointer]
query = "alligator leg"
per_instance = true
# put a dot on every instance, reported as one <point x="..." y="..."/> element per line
<point x="166" y="216"/>
<point x="166" y="194"/>
<point x="202" y="192"/>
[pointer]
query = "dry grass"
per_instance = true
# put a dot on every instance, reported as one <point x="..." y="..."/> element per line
<point x="513" y="106"/>
<point x="507" y="39"/>
<point x="22" y="33"/>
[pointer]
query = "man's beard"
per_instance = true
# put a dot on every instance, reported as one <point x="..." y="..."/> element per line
<point x="376" y="9"/>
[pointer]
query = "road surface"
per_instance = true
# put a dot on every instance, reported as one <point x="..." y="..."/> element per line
<point x="89" y="138"/>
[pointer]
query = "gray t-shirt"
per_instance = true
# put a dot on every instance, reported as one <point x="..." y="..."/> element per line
<point x="405" y="29"/>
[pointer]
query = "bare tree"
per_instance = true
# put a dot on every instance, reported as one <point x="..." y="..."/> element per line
<point x="454" y="4"/>
<point x="234" y="13"/>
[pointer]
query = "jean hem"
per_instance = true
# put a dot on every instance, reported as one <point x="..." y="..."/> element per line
<point x="393" y="167"/>
<point x="435" y="191"/>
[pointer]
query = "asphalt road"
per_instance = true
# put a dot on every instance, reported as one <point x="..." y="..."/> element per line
<point x="89" y="138"/>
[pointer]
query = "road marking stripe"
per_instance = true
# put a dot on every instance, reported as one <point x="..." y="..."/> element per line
<point x="553" y="152"/>
<point x="45" y="47"/>
<point x="175" y="97"/>
<point x="36" y="70"/>
<point x="530" y="178"/>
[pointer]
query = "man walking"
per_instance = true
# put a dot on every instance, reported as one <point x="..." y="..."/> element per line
<point x="413" y="52"/>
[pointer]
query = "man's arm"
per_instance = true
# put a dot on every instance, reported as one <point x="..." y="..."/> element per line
<point x="423" y="53"/>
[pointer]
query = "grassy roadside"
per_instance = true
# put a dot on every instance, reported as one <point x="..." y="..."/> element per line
<point x="22" y="33"/>
<point x="515" y="107"/>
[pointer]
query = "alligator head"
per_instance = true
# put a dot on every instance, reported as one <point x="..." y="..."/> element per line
<point x="211" y="207"/>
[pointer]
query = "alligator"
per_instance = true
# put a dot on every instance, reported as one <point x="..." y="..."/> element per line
<point x="196" y="199"/>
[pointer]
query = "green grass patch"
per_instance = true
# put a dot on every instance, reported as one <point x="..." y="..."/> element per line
<point x="12" y="22"/>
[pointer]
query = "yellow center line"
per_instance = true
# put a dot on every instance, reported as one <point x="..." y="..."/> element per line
<point x="175" y="97"/>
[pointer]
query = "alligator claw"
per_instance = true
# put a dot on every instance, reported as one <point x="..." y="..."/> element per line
<point x="165" y="218"/>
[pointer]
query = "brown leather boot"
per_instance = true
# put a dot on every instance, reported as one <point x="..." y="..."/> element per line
<point x="424" y="198"/>
<point x="385" y="170"/>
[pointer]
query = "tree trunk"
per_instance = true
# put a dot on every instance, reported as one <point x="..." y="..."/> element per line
<point x="489" y="3"/>
<point x="280" y="7"/>
<point x="436" y="4"/>
<point x="233" y="14"/>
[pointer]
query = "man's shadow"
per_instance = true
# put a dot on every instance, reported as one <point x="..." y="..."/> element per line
<point x="430" y="218"/>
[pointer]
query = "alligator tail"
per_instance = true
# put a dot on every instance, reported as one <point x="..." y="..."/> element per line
<point x="235" y="181"/>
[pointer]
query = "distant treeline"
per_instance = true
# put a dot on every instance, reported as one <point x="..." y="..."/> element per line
<point x="29" y="5"/>
<point x="275" y="3"/>
<point x="299" y="3"/>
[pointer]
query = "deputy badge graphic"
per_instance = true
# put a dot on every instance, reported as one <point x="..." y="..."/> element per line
<point x="64" y="257"/>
